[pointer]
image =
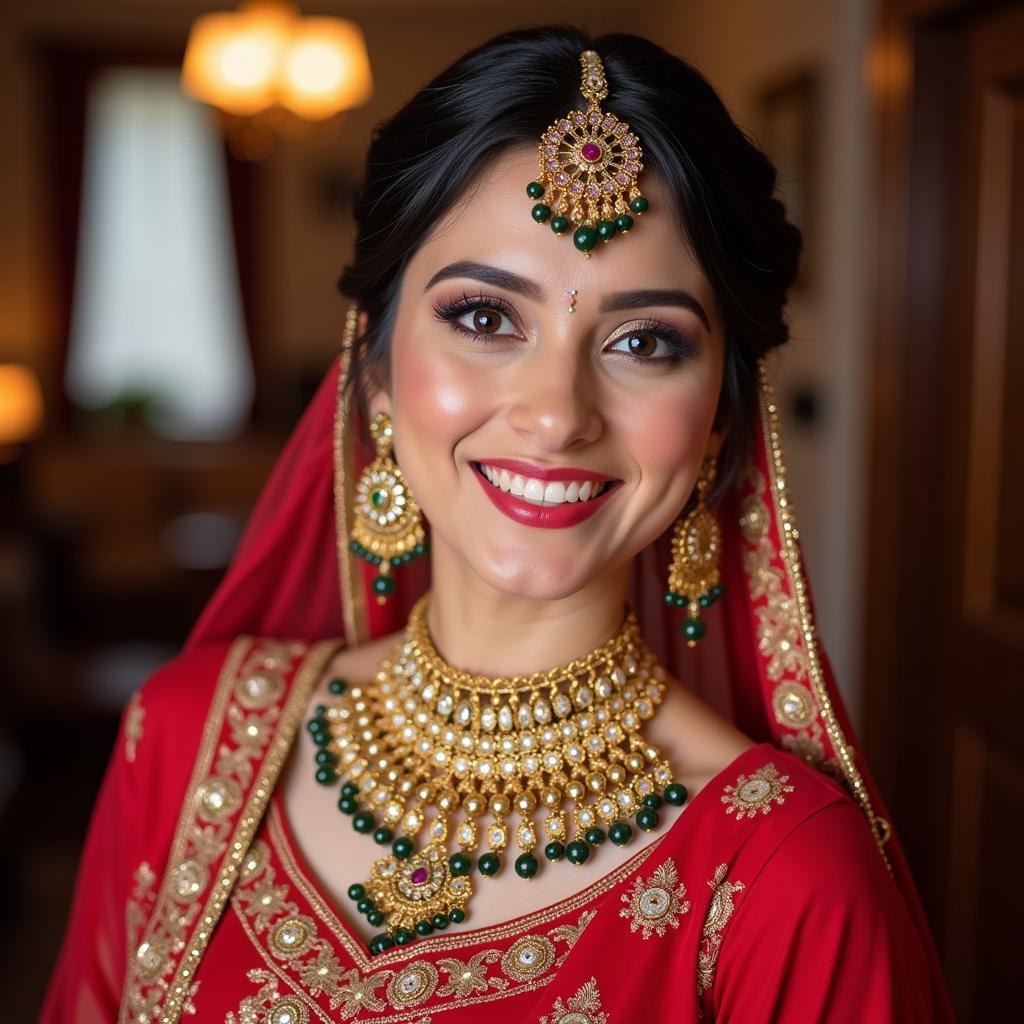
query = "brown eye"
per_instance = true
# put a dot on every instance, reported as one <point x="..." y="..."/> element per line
<point x="641" y="343"/>
<point x="486" y="321"/>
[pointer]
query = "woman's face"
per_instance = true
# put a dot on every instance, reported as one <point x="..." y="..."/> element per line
<point x="492" y="360"/>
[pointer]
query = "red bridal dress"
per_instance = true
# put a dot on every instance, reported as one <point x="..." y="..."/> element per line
<point x="780" y="893"/>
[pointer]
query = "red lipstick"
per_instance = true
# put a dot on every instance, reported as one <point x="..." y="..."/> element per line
<point x="547" y="517"/>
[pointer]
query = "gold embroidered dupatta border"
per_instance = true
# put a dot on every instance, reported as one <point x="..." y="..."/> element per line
<point x="261" y="771"/>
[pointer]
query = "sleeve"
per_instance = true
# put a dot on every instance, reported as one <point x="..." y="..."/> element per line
<point x="129" y="838"/>
<point x="823" y="934"/>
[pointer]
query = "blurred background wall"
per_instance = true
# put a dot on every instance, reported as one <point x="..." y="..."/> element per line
<point x="100" y="583"/>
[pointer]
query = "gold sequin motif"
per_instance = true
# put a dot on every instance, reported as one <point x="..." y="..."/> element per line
<point x="528" y="957"/>
<point x="656" y="902"/>
<point x="719" y="911"/>
<point x="756" y="792"/>
<point x="582" y="1008"/>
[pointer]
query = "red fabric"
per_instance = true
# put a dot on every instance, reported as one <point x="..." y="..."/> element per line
<point x="828" y="928"/>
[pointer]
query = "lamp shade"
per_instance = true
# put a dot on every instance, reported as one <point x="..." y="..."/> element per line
<point x="21" y="404"/>
<point x="265" y="54"/>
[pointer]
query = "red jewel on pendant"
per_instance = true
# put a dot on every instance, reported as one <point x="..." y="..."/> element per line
<point x="419" y="876"/>
<point x="591" y="152"/>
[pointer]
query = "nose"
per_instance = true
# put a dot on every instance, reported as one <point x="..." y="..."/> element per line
<point x="556" y="405"/>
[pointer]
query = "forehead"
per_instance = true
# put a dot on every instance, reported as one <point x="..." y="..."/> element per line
<point x="491" y="223"/>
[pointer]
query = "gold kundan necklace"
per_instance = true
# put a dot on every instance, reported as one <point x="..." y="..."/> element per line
<point x="424" y="739"/>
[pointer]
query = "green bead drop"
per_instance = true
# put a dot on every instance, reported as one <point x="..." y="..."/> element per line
<point x="639" y="204"/>
<point x="402" y="847"/>
<point x="460" y="864"/>
<point x="652" y="801"/>
<point x="489" y="864"/>
<point x="363" y="822"/>
<point x="327" y="757"/>
<point x="456" y="915"/>
<point x="383" y="585"/>
<point x="349" y="789"/>
<point x="594" y="836"/>
<point x="584" y="238"/>
<point x="356" y="891"/>
<point x="559" y="225"/>
<point x="527" y="865"/>
<point x="693" y="629"/>
<point x="375" y="917"/>
<point x="535" y="190"/>
<point x="383" y="836"/>
<point x="554" y="851"/>
<point x="577" y="851"/>
<point x="337" y="686"/>
<point x="675" y="793"/>
<point x="325" y="775"/>
<point x="623" y="222"/>
<point x="541" y="212"/>
<point x="424" y="927"/>
<point x="403" y="937"/>
<point x="620" y="833"/>
<point x="439" y="921"/>
<point x="606" y="230"/>
<point x="365" y="905"/>
<point x="348" y="805"/>
<point x="647" y="820"/>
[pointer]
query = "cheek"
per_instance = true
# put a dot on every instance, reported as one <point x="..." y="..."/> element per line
<point x="668" y="432"/>
<point x="435" y="396"/>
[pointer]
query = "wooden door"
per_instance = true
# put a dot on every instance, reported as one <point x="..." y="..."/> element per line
<point x="945" y="694"/>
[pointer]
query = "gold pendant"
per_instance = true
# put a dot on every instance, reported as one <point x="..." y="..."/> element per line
<point x="417" y="888"/>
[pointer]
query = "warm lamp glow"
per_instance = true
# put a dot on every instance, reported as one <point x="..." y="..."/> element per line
<point x="264" y="53"/>
<point x="21" y="404"/>
<point x="326" y="68"/>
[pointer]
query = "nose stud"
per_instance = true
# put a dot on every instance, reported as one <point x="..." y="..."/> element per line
<point x="571" y="292"/>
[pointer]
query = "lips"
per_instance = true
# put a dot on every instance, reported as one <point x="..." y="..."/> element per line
<point x="556" y="516"/>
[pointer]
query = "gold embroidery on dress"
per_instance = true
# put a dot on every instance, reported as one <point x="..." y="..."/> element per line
<point x="719" y="911"/>
<point x="159" y="981"/>
<point x="267" y="1006"/>
<point x="133" y="730"/>
<point x="756" y="792"/>
<point x="657" y="902"/>
<point x="294" y="951"/>
<point x="582" y="1008"/>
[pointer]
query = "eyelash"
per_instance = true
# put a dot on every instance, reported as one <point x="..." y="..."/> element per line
<point x="449" y="312"/>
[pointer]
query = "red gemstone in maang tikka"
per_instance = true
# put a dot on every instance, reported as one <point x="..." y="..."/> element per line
<point x="591" y="151"/>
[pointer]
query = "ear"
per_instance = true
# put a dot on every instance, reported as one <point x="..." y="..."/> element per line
<point x="378" y="399"/>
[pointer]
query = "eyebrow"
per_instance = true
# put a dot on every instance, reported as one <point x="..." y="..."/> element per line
<point x="498" y="278"/>
<point x="655" y="297"/>
<point x="494" y="276"/>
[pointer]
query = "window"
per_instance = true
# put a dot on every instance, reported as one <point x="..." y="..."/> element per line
<point x="157" y="312"/>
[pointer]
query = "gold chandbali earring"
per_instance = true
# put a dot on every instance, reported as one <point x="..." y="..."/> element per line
<point x="693" y="576"/>
<point x="388" y="527"/>
<point x="589" y="163"/>
<point x="568" y="742"/>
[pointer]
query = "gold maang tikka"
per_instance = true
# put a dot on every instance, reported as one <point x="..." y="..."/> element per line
<point x="693" y="575"/>
<point x="388" y="527"/>
<point x="589" y="163"/>
<point x="567" y="741"/>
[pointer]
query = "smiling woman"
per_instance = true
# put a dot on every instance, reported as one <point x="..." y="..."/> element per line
<point x="529" y="573"/>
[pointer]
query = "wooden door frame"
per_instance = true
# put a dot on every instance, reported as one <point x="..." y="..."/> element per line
<point x="919" y="441"/>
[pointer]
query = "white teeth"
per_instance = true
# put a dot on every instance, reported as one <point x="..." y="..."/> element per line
<point x="554" y="492"/>
<point x="534" y="490"/>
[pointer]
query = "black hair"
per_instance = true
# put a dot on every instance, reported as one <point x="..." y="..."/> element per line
<point x="506" y="93"/>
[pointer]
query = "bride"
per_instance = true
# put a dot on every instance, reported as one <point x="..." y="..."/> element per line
<point x="511" y="702"/>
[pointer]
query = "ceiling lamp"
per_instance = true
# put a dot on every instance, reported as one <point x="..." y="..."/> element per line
<point x="266" y="55"/>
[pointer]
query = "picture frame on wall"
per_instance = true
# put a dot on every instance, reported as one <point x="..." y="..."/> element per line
<point x="788" y="111"/>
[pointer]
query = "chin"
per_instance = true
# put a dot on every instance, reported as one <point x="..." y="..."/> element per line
<point x="524" y="576"/>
